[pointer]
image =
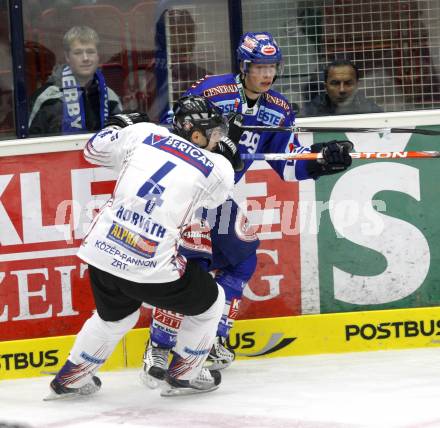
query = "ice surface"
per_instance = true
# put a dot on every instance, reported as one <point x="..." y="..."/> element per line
<point x="373" y="389"/>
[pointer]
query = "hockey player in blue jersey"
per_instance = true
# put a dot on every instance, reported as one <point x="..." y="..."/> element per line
<point x="248" y="94"/>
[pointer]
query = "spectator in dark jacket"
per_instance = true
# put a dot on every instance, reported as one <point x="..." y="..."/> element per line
<point x="75" y="98"/>
<point x="341" y="79"/>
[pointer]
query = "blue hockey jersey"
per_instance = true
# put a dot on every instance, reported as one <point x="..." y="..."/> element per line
<point x="272" y="109"/>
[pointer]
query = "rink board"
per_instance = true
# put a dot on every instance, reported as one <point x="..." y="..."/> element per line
<point x="259" y="338"/>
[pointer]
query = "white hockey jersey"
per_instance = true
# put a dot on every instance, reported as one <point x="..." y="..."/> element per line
<point x="163" y="179"/>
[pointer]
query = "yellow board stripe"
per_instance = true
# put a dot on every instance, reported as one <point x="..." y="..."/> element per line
<point x="260" y="338"/>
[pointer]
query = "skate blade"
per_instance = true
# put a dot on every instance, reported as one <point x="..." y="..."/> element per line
<point x="216" y="365"/>
<point x="76" y="394"/>
<point x="54" y="396"/>
<point x="171" y="391"/>
<point x="150" y="381"/>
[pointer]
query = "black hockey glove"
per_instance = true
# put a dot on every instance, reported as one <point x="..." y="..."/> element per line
<point x="235" y="131"/>
<point x="335" y="158"/>
<point x="229" y="150"/>
<point x="126" y="119"/>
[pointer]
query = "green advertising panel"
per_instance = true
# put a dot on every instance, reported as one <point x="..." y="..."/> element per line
<point x="379" y="231"/>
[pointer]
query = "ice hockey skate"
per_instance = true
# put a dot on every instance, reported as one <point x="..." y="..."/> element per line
<point x="59" y="391"/>
<point x="206" y="381"/>
<point x="220" y="356"/>
<point x="155" y="365"/>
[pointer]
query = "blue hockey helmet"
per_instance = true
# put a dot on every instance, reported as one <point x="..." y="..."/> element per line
<point x="258" y="48"/>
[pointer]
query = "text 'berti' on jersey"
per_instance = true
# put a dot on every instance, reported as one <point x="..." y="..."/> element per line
<point x="134" y="235"/>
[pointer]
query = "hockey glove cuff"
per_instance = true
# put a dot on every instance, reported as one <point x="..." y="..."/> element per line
<point x="229" y="150"/>
<point x="235" y="121"/>
<point x="126" y="119"/>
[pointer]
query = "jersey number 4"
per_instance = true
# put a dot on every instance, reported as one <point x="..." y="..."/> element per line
<point x="151" y="190"/>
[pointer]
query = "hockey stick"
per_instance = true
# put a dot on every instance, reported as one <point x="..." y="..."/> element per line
<point x="354" y="155"/>
<point x="300" y="129"/>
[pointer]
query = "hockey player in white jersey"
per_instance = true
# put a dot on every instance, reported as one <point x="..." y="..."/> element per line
<point x="131" y="247"/>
